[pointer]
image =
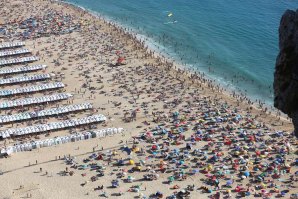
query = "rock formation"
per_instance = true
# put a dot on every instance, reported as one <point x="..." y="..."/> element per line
<point x="286" y="68"/>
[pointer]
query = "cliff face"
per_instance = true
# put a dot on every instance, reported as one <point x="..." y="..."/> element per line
<point x="286" y="68"/>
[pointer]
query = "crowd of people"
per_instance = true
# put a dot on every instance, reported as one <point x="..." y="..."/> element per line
<point x="186" y="135"/>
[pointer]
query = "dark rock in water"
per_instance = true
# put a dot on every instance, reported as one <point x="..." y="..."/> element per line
<point x="286" y="68"/>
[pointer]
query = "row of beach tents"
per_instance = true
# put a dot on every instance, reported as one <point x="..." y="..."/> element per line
<point x="18" y="60"/>
<point x="22" y="69"/>
<point x="34" y="100"/>
<point x="11" y="44"/>
<point x="41" y="128"/>
<point x="14" y="52"/>
<point x="61" y="140"/>
<point x="31" y="89"/>
<point x="44" y="113"/>
<point x="25" y="78"/>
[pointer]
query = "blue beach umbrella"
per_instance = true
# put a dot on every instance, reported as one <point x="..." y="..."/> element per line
<point x="246" y="173"/>
<point x="194" y="171"/>
<point x="127" y="150"/>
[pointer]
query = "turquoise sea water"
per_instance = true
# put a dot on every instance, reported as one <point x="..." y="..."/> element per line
<point x="232" y="41"/>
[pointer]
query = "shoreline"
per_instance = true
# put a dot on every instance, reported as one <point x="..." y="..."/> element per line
<point x="153" y="46"/>
<point x="257" y="104"/>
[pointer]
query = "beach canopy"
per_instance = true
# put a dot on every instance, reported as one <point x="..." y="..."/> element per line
<point x="120" y="60"/>
<point x="246" y="173"/>
<point x="127" y="150"/>
<point x="131" y="162"/>
<point x="115" y="183"/>
<point x="154" y="147"/>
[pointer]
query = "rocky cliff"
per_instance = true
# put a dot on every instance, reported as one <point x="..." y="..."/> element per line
<point x="286" y="68"/>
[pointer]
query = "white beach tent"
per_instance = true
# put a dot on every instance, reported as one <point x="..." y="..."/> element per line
<point x="47" y="143"/>
<point x="34" y="145"/>
<point x="100" y="133"/>
<point x="78" y="137"/>
<point x="115" y="130"/>
<point x="26" y="147"/>
<point x="63" y="140"/>
<point x="67" y="139"/>
<point x="58" y="140"/>
<point x="44" y="143"/>
<point x="37" y="144"/>
<point x="51" y="142"/>
<point x="109" y="132"/>
<point x="3" y="151"/>
<point x="89" y="134"/>
<point x="18" y="148"/>
<point x="73" y="138"/>
<point x="104" y="132"/>
<point x="14" y="149"/>
<point x="9" y="150"/>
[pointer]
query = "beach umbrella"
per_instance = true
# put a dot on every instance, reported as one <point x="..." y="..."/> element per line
<point x="120" y="60"/>
<point x="84" y="166"/>
<point x="131" y="162"/>
<point x="130" y="178"/>
<point x="176" y="151"/>
<point x="120" y="162"/>
<point x="142" y="162"/>
<point x="149" y="134"/>
<point x="246" y="173"/>
<point x="127" y="150"/>
<point x="171" y="178"/>
<point x="194" y="171"/>
<point x="229" y="183"/>
<point x="154" y="147"/>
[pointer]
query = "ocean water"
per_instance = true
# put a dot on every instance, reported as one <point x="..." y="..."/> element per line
<point x="234" y="42"/>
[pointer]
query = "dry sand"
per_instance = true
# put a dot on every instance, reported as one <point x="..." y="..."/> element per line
<point x="84" y="59"/>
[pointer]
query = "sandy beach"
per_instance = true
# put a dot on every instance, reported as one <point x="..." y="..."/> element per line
<point x="160" y="107"/>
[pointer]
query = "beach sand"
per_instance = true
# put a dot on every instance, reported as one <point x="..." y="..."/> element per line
<point x="82" y="61"/>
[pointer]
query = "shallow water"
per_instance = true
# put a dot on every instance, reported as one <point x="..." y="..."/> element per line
<point x="233" y="41"/>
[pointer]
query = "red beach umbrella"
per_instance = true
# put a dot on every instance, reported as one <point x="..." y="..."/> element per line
<point x="120" y="60"/>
